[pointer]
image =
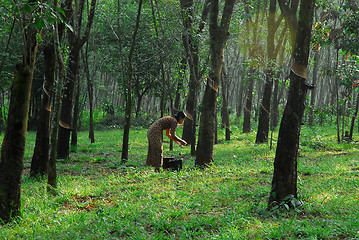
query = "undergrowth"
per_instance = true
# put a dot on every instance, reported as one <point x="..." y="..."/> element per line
<point x="101" y="199"/>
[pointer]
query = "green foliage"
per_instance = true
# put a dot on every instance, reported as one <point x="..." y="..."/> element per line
<point x="351" y="33"/>
<point x="100" y="198"/>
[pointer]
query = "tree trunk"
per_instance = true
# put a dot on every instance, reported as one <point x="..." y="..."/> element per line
<point x="248" y="109"/>
<point x="224" y="112"/>
<point x="63" y="148"/>
<point x="13" y="146"/>
<point x="128" y="110"/>
<point x="275" y="105"/>
<point x="239" y="100"/>
<point x="264" y="111"/>
<point x="191" y="45"/>
<point x="182" y="70"/>
<point x="218" y="39"/>
<point x="75" y="44"/>
<point x="90" y="93"/>
<point x="40" y="157"/>
<point x="75" y="116"/>
<point x="314" y="91"/>
<point x="353" y="119"/>
<point x="337" y="98"/>
<point x="272" y="52"/>
<point x="52" y="175"/>
<point x="284" y="183"/>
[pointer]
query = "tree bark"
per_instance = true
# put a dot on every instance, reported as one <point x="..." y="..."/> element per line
<point x="40" y="157"/>
<point x="191" y="45"/>
<point x="353" y="119"/>
<point x="218" y="39"/>
<point x="239" y="101"/>
<point x="52" y="174"/>
<point x="224" y="111"/>
<point x="265" y="109"/>
<point x="275" y="105"/>
<point x="247" y="115"/>
<point x="76" y="41"/>
<point x="90" y="93"/>
<point x="314" y="91"/>
<point x="272" y="52"/>
<point x="128" y="110"/>
<point x="75" y="118"/>
<point x="284" y="183"/>
<point x="13" y="146"/>
<point x="182" y="70"/>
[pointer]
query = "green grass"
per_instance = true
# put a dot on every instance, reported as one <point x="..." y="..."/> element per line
<point x="101" y="199"/>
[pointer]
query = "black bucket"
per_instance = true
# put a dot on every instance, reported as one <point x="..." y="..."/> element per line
<point x="173" y="164"/>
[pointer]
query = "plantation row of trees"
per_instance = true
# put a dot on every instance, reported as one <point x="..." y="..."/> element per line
<point x="86" y="63"/>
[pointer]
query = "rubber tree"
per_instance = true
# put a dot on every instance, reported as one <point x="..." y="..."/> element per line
<point x="253" y="29"/>
<point x="40" y="156"/>
<point x="128" y="90"/>
<point x="52" y="174"/>
<point x="272" y="53"/>
<point x="191" y="41"/>
<point x="77" y="38"/>
<point x="219" y="33"/>
<point x="284" y="182"/>
<point x="39" y="161"/>
<point x="13" y="146"/>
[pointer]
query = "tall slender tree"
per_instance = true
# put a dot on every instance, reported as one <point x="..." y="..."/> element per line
<point x="247" y="112"/>
<point x="224" y="110"/>
<point x="191" y="43"/>
<point x="284" y="183"/>
<point x="13" y="146"/>
<point x="219" y="33"/>
<point x="52" y="174"/>
<point x="253" y="29"/>
<point x="41" y="150"/>
<point x="77" y="38"/>
<point x="272" y="52"/>
<point x="39" y="161"/>
<point x="128" y="90"/>
<point x="90" y="94"/>
<point x="314" y="91"/>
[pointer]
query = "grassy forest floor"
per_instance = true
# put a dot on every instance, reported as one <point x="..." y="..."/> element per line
<point x="101" y="199"/>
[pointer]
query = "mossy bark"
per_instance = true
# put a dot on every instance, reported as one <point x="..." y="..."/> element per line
<point x="13" y="146"/>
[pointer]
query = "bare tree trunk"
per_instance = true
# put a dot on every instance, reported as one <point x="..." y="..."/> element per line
<point x="90" y="93"/>
<point x="191" y="45"/>
<point x="224" y="112"/>
<point x="13" y="146"/>
<point x="182" y="70"/>
<point x="284" y="183"/>
<point x="239" y="101"/>
<point x="40" y="157"/>
<point x="128" y="111"/>
<point x="248" y="108"/>
<point x="272" y="52"/>
<point x="76" y="41"/>
<point x="353" y="119"/>
<point x="265" y="109"/>
<point x="337" y="99"/>
<point x="52" y="175"/>
<point x="218" y="39"/>
<point x="75" y="118"/>
<point x="314" y="91"/>
<point x="275" y="103"/>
